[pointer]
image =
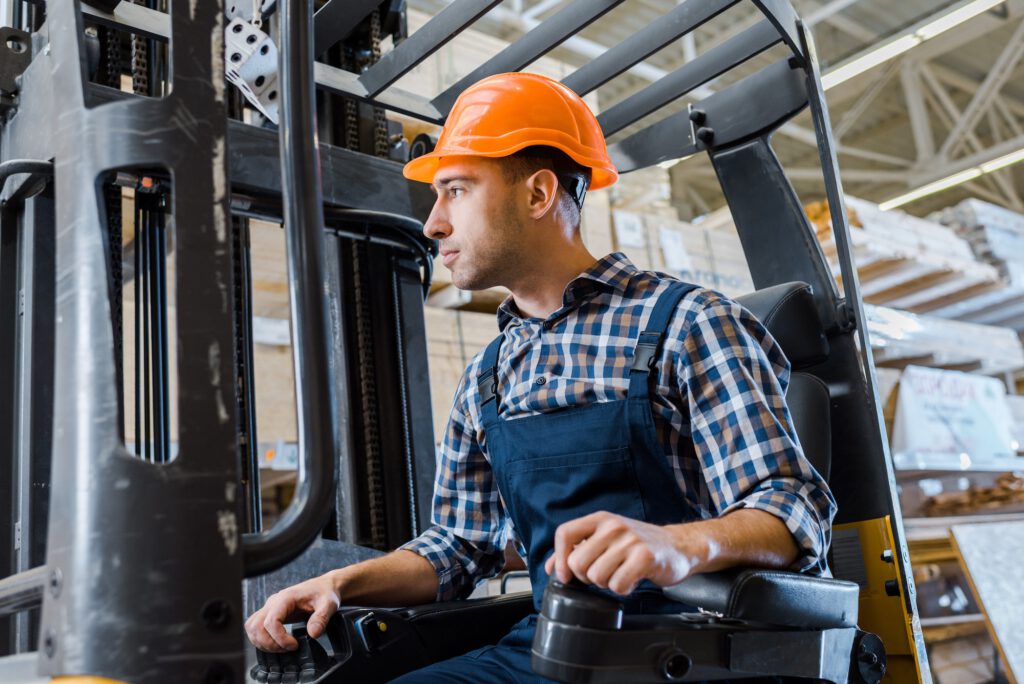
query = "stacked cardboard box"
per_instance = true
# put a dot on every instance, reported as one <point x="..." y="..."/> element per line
<point x="706" y="256"/>
<point x="453" y="338"/>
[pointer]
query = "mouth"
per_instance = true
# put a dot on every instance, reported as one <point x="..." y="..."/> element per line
<point x="449" y="257"/>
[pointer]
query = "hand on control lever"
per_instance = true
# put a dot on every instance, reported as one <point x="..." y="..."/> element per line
<point x="317" y="598"/>
<point x="614" y="552"/>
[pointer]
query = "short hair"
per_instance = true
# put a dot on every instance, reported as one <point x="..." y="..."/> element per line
<point x="530" y="160"/>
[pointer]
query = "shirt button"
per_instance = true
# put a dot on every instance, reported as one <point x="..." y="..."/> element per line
<point x="541" y="380"/>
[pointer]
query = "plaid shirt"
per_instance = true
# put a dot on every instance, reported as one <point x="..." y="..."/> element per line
<point x="721" y="379"/>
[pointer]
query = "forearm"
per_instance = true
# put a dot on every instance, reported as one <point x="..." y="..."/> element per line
<point x="401" y="578"/>
<point x="745" y="537"/>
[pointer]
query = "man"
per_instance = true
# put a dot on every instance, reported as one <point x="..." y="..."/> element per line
<point x="626" y="460"/>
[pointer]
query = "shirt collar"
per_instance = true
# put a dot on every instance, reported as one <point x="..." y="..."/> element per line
<point x="611" y="273"/>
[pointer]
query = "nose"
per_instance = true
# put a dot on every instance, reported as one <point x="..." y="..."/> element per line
<point x="437" y="226"/>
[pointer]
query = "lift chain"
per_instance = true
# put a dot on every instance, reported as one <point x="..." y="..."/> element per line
<point x="368" y="393"/>
<point x="380" y="122"/>
<point x="112" y="195"/>
<point x="140" y="62"/>
<point x="351" y="114"/>
<point x="245" y="374"/>
<point x="114" y="57"/>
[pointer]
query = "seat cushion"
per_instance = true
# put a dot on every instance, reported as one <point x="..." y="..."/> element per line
<point x="773" y="597"/>
<point x="790" y="314"/>
<point x="808" y="400"/>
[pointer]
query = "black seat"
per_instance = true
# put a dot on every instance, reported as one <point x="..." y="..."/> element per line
<point x="787" y="599"/>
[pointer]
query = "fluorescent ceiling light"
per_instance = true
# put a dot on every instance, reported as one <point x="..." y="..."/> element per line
<point x="954" y="180"/>
<point x="906" y="42"/>
<point x="955" y="18"/>
<point x="1003" y="162"/>
<point x="868" y="61"/>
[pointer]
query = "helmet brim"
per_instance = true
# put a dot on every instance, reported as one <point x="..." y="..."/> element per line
<point x="424" y="168"/>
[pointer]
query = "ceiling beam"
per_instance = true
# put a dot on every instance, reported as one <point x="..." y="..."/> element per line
<point x="967" y="85"/>
<point x="920" y="123"/>
<point x="945" y="43"/>
<point x="989" y="88"/>
<point x="949" y="114"/>
<point x="853" y="114"/>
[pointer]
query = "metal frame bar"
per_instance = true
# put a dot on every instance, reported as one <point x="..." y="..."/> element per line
<point x="90" y="464"/>
<point x="690" y="76"/>
<point x="680" y="21"/>
<point x="375" y="86"/>
<point x="566" y="22"/>
<point x="442" y="28"/>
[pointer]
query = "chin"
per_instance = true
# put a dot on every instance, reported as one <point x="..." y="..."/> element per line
<point x="468" y="282"/>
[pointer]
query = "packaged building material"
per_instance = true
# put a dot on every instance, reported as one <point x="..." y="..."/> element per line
<point x="900" y="338"/>
<point x="948" y="420"/>
<point x="905" y="262"/>
<point x="996" y="235"/>
<point x="709" y="257"/>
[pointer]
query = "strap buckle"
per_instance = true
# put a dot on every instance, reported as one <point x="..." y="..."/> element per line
<point x="487" y="384"/>
<point x="645" y="351"/>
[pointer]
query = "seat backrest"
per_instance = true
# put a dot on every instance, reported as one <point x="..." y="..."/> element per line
<point x="790" y="315"/>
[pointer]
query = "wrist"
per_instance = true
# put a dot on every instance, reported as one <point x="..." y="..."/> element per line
<point x="338" y="580"/>
<point x="695" y="545"/>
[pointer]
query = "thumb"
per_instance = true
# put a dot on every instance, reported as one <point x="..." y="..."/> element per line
<point x="324" y="609"/>
<point x="549" y="564"/>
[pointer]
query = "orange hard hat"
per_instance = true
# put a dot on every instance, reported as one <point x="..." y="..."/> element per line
<point x="505" y="113"/>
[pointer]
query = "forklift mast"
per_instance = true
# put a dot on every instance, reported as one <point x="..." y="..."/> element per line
<point x="127" y="559"/>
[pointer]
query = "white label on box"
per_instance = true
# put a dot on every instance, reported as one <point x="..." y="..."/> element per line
<point x="629" y="229"/>
<point x="948" y="420"/>
<point x="673" y="250"/>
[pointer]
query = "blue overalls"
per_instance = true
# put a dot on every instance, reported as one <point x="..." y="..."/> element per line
<point x="555" y="467"/>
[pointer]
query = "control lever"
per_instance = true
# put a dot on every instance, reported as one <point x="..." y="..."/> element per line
<point x="304" y="665"/>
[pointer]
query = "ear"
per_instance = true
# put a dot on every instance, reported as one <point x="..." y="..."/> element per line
<point x="543" y="193"/>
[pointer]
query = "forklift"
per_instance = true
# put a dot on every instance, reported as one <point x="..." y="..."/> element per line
<point x="137" y="560"/>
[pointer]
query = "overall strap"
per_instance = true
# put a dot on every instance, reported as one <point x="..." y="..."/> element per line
<point x="487" y="380"/>
<point x="649" y="341"/>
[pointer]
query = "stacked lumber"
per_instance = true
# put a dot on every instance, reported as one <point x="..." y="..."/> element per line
<point x="996" y="236"/>
<point x="901" y="338"/>
<point x="905" y="262"/>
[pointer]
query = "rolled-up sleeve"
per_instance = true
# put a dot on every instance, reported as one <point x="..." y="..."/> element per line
<point x="466" y="541"/>
<point x="734" y="376"/>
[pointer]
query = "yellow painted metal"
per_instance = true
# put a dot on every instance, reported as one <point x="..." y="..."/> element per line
<point x="881" y="613"/>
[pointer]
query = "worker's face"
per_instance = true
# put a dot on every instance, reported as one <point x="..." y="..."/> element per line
<point x="477" y="221"/>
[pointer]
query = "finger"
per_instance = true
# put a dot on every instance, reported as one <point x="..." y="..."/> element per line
<point x="273" y="623"/>
<point x="566" y="537"/>
<point x="250" y="626"/>
<point x="549" y="564"/>
<point x="258" y="636"/>
<point x="635" y="568"/>
<point x="600" y="569"/>
<point x="325" y="608"/>
<point x="610" y="532"/>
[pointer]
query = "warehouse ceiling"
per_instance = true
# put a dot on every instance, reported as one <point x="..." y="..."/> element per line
<point x="951" y="103"/>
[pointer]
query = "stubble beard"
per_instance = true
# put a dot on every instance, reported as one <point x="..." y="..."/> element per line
<point x="495" y="261"/>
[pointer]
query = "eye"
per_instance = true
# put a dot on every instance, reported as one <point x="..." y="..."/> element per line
<point x="454" y="191"/>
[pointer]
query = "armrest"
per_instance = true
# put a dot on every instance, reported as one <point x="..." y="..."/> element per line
<point x="371" y="645"/>
<point x="773" y="597"/>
